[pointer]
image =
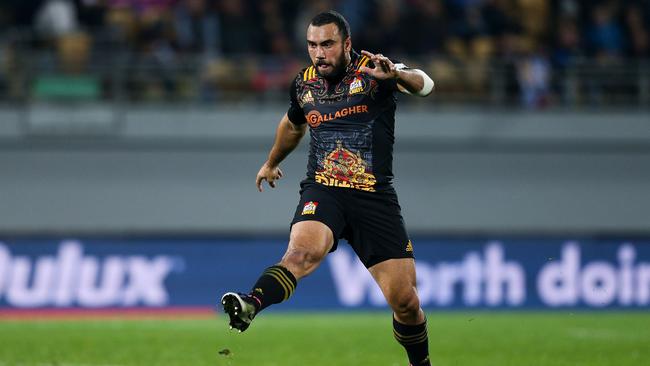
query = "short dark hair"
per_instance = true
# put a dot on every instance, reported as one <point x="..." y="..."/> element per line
<point x="330" y="17"/>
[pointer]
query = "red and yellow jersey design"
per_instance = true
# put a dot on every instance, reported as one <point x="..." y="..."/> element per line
<point x="344" y="168"/>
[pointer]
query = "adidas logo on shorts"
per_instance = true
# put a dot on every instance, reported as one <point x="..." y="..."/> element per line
<point x="409" y="246"/>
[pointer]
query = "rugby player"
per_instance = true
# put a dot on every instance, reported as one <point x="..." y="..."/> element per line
<point x="347" y="101"/>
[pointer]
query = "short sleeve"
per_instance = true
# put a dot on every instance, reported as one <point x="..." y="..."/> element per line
<point x="295" y="113"/>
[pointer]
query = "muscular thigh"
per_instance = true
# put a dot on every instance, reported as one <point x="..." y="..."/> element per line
<point x="395" y="277"/>
<point x="311" y="236"/>
<point x="309" y="243"/>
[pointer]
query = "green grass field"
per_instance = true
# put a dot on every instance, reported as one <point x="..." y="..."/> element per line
<point x="481" y="338"/>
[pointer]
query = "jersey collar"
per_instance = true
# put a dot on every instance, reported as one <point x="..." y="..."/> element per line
<point x="354" y="60"/>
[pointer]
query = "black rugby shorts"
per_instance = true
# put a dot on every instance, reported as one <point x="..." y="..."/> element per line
<point x="371" y="222"/>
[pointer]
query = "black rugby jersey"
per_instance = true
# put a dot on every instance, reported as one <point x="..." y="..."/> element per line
<point x="352" y="124"/>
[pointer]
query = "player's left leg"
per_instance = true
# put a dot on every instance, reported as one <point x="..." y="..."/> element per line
<point x="396" y="278"/>
<point x="309" y="243"/>
<point x="317" y="223"/>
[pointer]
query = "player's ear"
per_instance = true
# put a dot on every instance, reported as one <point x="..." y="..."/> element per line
<point x="347" y="44"/>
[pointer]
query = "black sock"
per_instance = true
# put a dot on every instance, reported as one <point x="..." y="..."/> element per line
<point x="275" y="285"/>
<point x="415" y="340"/>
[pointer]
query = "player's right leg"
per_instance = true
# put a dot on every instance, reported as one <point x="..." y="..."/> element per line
<point x="396" y="278"/>
<point x="309" y="243"/>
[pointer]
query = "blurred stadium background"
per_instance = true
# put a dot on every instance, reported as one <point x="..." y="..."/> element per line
<point x="131" y="132"/>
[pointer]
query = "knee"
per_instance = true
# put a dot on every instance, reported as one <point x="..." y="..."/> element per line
<point x="302" y="257"/>
<point x="309" y="243"/>
<point x="301" y="261"/>
<point x="405" y="304"/>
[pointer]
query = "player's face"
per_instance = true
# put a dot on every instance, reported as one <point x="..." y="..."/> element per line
<point x="328" y="52"/>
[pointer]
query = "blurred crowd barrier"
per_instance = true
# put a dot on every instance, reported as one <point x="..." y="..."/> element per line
<point x="531" y="53"/>
<point x="530" y="83"/>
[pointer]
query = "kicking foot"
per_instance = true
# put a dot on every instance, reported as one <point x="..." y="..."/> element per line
<point x="239" y="308"/>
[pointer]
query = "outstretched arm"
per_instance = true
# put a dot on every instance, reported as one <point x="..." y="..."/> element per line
<point x="287" y="137"/>
<point x="409" y="81"/>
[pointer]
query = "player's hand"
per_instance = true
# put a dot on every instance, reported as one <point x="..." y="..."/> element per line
<point x="384" y="68"/>
<point x="269" y="174"/>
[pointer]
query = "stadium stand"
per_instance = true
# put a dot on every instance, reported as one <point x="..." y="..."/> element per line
<point x="533" y="53"/>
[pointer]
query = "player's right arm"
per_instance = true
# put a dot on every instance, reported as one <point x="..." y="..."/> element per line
<point x="287" y="137"/>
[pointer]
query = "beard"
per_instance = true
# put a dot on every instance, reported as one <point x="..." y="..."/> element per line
<point x="334" y="70"/>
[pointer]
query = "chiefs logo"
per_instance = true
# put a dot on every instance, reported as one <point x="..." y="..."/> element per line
<point x="314" y="118"/>
<point x="356" y="86"/>
<point x="309" y="208"/>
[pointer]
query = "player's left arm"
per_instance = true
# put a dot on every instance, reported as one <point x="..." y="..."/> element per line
<point x="409" y="81"/>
